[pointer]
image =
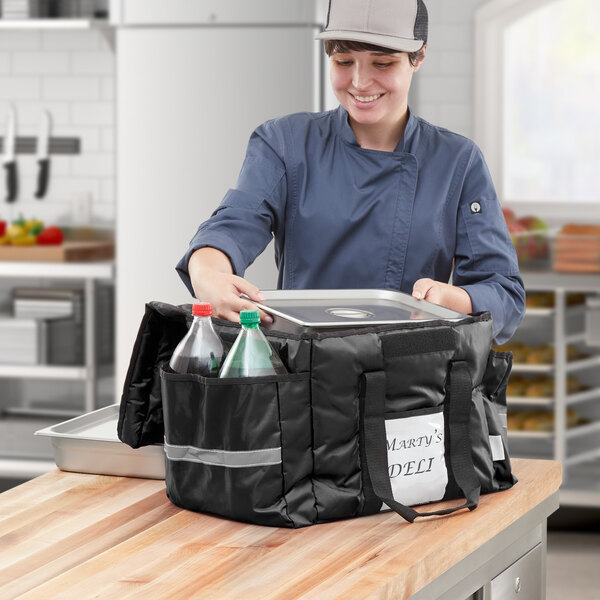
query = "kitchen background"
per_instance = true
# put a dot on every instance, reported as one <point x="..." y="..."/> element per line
<point x="162" y="134"/>
<point x="70" y="74"/>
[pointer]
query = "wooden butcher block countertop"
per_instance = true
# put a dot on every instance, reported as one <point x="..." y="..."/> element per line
<point x="71" y="535"/>
<point x="69" y="251"/>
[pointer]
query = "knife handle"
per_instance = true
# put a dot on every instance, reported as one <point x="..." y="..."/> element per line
<point x="43" y="176"/>
<point x="11" y="181"/>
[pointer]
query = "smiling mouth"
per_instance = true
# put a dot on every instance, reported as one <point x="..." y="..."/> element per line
<point x="366" y="99"/>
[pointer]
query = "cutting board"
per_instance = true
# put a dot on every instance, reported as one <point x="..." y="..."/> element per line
<point x="65" y="252"/>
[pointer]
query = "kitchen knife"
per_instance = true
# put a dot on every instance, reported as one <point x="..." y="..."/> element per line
<point x="43" y="144"/>
<point x="8" y="159"/>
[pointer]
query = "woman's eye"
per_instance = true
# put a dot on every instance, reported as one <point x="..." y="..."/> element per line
<point x="344" y="63"/>
<point x="382" y="65"/>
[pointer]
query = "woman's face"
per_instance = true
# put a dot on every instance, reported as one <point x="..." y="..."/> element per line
<point x="372" y="86"/>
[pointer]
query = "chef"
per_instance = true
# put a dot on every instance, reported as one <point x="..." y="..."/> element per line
<point x="368" y="195"/>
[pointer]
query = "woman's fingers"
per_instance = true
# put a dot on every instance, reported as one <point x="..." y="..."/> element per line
<point x="224" y="291"/>
<point x="424" y="289"/>
<point x="444" y="294"/>
<point x="240" y="304"/>
<point x="245" y="287"/>
<point x="250" y="290"/>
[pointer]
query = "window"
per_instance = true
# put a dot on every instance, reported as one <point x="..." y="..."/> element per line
<point x="538" y="95"/>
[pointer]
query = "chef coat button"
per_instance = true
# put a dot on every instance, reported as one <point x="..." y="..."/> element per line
<point x="517" y="585"/>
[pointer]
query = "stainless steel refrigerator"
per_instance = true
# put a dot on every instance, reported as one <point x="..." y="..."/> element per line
<point x="193" y="80"/>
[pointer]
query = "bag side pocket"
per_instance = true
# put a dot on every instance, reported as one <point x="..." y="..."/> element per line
<point x="239" y="448"/>
<point x="494" y="400"/>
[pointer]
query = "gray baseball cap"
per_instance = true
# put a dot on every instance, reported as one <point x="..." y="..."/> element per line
<point x="397" y="24"/>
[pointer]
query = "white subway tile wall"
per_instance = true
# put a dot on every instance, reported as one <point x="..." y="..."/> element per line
<point x="444" y="86"/>
<point x="72" y="76"/>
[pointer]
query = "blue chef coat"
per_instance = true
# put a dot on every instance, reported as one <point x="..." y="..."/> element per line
<point x="347" y="217"/>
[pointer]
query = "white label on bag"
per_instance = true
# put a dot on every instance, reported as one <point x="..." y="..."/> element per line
<point x="497" y="447"/>
<point x="416" y="464"/>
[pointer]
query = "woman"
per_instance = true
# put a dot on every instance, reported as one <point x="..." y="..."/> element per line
<point x="367" y="195"/>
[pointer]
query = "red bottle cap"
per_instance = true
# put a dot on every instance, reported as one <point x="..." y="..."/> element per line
<point x="202" y="309"/>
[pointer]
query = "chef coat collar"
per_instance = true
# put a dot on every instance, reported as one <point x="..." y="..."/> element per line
<point x="346" y="133"/>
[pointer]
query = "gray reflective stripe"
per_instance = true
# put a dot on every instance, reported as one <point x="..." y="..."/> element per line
<point x="224" y="458"/>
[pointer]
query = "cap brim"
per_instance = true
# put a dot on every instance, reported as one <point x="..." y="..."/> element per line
<point x="386" y="41"/>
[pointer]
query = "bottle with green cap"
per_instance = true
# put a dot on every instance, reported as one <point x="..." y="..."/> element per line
<point x="251" y="354"/>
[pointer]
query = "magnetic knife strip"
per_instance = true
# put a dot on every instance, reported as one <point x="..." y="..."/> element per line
<point x="57" y="145"/>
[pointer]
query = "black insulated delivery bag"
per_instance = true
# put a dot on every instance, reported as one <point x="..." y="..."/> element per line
<point x="396" y="415"/>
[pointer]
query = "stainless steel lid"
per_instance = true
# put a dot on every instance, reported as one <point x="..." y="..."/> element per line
<point x="336" y="308"/>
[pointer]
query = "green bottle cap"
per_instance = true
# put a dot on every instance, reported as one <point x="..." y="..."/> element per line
<point x="249" y="317"/>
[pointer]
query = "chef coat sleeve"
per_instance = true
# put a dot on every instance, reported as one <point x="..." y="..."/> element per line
<point x="485" y="259"/>
<point x="244" y="222"/>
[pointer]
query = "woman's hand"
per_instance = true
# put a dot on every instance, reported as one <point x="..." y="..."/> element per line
<point x="213" y="281"/>
<point x="443" y="294"/>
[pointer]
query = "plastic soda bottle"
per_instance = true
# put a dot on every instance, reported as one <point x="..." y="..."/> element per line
<point x="201" y="350"/>
<point x="251" y="354"/>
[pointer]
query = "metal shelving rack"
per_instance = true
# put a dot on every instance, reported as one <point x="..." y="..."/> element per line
<point x="578" y="447"/>
<point x="101" y="25"/>
<point x="90" y="274"/>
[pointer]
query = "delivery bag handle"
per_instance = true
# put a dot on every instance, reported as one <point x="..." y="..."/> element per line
<point x="461" y="461"/>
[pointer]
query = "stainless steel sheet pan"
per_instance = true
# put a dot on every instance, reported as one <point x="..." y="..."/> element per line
<point x="89" y="444"/>
<point x="349" y="308"/>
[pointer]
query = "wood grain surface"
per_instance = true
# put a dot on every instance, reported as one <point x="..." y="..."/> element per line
<point x="70" y="535"/>
<point x="71" y="251"/>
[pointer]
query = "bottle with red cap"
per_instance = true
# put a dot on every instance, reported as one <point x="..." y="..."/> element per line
<point x="201" y="350"/>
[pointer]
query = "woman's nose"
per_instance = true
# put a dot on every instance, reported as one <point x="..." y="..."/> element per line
<point x="360" y="77"/>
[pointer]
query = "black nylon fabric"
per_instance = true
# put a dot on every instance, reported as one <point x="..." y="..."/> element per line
<point x="316" y="420"/>
<point x="337" y="364"/>
<point x="494" y="399"/>
<point x="140" y="414"/>
<point x="241" y="415"/>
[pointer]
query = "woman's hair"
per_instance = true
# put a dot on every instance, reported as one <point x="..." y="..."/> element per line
<point x="334" y="46"/>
